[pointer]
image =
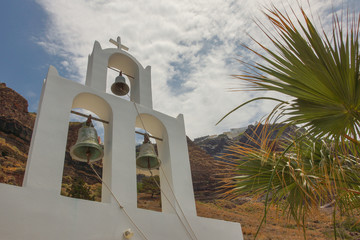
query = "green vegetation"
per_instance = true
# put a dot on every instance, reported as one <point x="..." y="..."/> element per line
<point x="79" y="189"/>
<point x="148" y="185"/>
<point x="321" y="163"/>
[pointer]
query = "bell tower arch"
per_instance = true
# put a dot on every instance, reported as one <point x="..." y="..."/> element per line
<point x="140" y="78"/>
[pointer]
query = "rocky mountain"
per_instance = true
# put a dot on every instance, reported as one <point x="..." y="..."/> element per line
<point x="16" y="125"/>
<point x="203" y="172"/>
<point x="216" y="145"/>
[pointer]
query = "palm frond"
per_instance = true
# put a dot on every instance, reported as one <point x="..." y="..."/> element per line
<point x="320" y="72"/>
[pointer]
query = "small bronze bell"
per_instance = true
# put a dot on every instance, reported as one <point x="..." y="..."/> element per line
<point x="119" y="87"/>
<point x="87" y="147"/>
<point x="147" y="158"/>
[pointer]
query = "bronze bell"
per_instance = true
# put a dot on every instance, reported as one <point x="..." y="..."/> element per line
<point x="147" y="158"/>
<point x="119" y="87"/>
<point x="87" y="147"/>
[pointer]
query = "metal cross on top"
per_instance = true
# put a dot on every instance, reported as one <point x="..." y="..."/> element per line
<point x="118" y="43"/>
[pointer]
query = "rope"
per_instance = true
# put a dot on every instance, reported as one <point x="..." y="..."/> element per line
<point x="142" y="123"/>
<point x="192" y="231"/>
<point x="137" y="110"/>
<point x="138" y="113"/>
<point x="121" y="207"/>
<point x="177" y="201"/>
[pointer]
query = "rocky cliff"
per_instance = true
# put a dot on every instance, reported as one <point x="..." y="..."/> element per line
<point x="16" y="125"/>
<point x="217" y="145"/>
<point x="203" y="172"/>
<point x="214" y="145"/>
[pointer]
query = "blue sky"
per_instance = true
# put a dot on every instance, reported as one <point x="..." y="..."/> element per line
<point x="191" y="46"/>
<point x="23" y="63"/>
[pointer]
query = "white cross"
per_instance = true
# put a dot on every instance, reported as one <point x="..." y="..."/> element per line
<point x="118" y="44"/>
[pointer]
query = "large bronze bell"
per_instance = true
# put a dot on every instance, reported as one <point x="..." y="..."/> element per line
<point x="147" y="158"/>
<point x="87" y="147"/>
<point x="119" y="87"/>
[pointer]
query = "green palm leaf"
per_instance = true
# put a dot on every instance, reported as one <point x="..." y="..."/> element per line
<point x="321" y="73"/>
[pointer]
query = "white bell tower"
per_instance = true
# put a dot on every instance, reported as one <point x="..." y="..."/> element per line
<point x="38" y="211"/>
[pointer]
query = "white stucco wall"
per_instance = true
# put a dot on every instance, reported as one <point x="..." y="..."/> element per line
<point x="38" y="211"/>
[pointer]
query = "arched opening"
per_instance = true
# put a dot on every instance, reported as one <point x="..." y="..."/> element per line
<point x="120" y="64"/>
<point x="147" y="123"/>
<point x="147" y="181"/>
<point x="16" y="125"/>
<point x="80" y="180"/>
<point x="111" y="81"/>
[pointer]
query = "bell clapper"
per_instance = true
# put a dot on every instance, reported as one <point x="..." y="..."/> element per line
<point x="88" y="155"/>
<point x="147" y="140"/>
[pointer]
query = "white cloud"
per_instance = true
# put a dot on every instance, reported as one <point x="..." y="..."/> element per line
<point x="65" y="63"/>
<point x="194" y="42"/>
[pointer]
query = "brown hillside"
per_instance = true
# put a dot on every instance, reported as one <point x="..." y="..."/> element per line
<point x="203" y="172"/>
<point x="16" y="125"/>
<point x="14" y="106"/>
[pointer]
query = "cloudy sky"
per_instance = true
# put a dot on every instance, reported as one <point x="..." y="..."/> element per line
<point x="192" y="47"/>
